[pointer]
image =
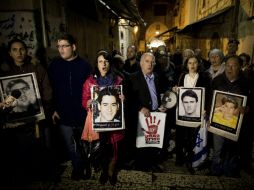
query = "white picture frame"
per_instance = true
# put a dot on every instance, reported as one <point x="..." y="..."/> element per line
<point x="29" y="106"/>
<point x="196" y="118"/>
<point x="117" y="122"/>
<point x="228" y="126"/>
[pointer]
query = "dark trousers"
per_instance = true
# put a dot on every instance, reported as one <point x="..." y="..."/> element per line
<point x="146" y="158"/>
<point x="21" y="156"/>
<point x="72" y="140"/>
<point x="185" y="141"/>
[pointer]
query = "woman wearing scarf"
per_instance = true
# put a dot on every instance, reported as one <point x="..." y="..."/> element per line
<point x="103" y="76"/>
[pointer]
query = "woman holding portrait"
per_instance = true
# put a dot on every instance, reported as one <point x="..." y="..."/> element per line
<point x="103" y="76"/>
<point x="190" y="77"/>
<point x="21" y="139"/>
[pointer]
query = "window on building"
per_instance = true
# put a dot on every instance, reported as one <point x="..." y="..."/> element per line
<point x="121" y="35"/>
<point x="203" y="3"/>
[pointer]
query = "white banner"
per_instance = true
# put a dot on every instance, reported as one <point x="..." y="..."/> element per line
<point x="150" y="132"/>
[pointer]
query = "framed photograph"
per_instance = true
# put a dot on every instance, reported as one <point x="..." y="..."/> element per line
<point x="190" y="106"/>
<point x="28" y="106"/>
<point x="225" y="118"/>
<point x="107" y="108"/>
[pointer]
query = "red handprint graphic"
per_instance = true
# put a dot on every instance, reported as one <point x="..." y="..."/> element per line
<point x="151" y="125"/>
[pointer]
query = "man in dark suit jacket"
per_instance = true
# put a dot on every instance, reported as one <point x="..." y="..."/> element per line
<point x="140" y="86"/>
<point x="146" y="98"/>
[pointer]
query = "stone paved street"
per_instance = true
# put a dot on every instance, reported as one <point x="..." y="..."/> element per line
<point x="173" y="178"/>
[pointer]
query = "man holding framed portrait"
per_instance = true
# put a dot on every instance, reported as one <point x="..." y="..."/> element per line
<point x="227" y="137"/>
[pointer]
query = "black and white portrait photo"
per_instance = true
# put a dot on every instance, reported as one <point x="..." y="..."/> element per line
<point x="27" y="102"/>
<point x="190" y="106"/>
<point x="107" y="108"/>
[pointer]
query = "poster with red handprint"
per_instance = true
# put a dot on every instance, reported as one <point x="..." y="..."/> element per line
<point x="150" y="132"/>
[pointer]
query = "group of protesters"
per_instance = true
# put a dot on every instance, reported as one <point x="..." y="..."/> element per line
<point x="65" y="91"/>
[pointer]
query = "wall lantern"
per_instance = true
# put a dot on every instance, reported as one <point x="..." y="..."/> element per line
<point x="135" y="29"/>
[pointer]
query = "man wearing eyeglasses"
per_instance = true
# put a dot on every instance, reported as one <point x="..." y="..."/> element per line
<point x="67" y="74"/>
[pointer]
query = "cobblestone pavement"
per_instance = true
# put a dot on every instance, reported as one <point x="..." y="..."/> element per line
<point x="173" y="178"/>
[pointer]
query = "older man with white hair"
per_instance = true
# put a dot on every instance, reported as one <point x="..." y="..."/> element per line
<point x="146" y="98"/>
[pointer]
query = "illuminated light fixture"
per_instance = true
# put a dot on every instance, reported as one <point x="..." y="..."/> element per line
<point x="156" y="43"/>
<point x="135" y="29"/>
<point x="157" y="29"/>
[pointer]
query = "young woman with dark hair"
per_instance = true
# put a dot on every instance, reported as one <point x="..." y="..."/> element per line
<point x="109" y="141"/>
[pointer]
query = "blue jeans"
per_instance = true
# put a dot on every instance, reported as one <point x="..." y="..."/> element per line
<point x="225" y="157"/>
<point x="218" y="142"/>
<point x="72" y="139"/>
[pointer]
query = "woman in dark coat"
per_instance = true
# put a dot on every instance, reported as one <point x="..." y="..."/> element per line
<point x="186" y="136"/>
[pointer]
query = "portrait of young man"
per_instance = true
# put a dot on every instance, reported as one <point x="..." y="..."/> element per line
<point x="226" y="113"/>
<point x="24" y="89"/>
<point x="26" y="102"/>
<point x="189" y="100"/>
<point x="107" y="108"/>
<point x="190" y="106"/>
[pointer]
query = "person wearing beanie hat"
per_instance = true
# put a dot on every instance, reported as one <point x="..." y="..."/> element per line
<point x="217" y="67"/>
